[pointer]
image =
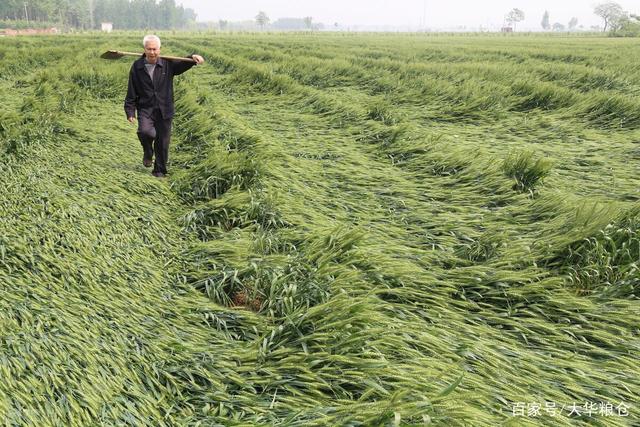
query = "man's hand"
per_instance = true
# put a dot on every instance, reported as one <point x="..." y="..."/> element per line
<point x="199" y="59"/>
<point x="131" y="119"/>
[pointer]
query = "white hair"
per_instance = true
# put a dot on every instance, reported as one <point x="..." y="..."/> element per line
<point x="150" y="37"/>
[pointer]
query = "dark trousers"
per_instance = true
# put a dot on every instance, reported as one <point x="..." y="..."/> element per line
<point x="154" y="134"/>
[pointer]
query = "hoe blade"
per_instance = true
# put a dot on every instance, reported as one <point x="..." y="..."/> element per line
<point x="116" y="54"/>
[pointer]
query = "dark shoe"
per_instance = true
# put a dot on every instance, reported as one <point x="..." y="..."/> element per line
<point x="147" y="162"/>
<point x="158" y="174"/>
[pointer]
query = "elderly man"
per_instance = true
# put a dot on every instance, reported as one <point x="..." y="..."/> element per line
<point x="150" y="92"/>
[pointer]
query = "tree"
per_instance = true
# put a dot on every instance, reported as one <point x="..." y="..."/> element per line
<point x="573" y="23"/>
<point x="166" y="14"/>
<point x="629" y="26"/>
<point x="545" y="21"/>
<point x="223" y="24"/>
<point x="516" y="15"/>
<point x="308" y="22"/>
<point x="558" y="27"/>
<point x="611" y="12"/>
<point x="189" y="17"/>
<point x="262" y="19"/>
<point x="125" y="14"/>
<point x="634" y="25"/>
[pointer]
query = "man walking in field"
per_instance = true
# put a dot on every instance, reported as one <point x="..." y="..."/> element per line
<point x="150" y="93"/>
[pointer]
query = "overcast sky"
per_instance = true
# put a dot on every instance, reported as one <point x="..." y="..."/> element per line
<point x="439" y="13"/>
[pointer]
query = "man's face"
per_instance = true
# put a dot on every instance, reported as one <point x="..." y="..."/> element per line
<point x="152" y="50"/>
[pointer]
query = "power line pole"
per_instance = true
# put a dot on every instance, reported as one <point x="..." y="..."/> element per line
<point x="91" y="10"/>
<point x="424" y="15"/>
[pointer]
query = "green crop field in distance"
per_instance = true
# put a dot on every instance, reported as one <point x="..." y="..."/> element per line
<point x="357" y="230"/>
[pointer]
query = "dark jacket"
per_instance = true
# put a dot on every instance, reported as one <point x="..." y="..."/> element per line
<point x="144" y="95"/>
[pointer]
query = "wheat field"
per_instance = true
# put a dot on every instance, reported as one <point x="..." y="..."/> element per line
<point x="357" y="230"/>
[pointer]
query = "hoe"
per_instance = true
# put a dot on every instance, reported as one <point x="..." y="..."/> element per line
<point x="116" y="54"/>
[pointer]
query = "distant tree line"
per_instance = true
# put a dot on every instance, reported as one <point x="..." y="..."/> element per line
<point x="89" y="14"/>
<point x="557" y="26"/>
<point x="263" y="22"/>
<point x="616" y="21"/>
